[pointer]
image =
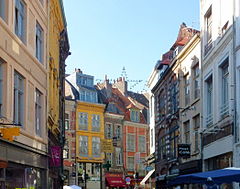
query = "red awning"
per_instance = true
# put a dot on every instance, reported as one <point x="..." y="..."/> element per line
<point x="115" y="182"/>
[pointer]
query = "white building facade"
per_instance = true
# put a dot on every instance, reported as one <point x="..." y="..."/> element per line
<point x="218" y="95"/>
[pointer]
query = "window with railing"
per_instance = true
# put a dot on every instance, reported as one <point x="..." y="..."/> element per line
<point x="208" y="28"/>
<point x="209" y="101"/>
<point x="196" y="122"/>
<point x="186" y="89"/>
<point x="196" y="81"/>
<point x="224" y="89"/>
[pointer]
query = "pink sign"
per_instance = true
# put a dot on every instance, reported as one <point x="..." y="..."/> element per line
<point x="55" y="160"/>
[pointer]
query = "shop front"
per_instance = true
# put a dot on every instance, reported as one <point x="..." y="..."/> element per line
<point x="21" y="168"/>
<point x="114" y="181"/>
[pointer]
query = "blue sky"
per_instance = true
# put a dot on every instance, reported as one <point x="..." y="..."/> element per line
<point x="107" y="35"/>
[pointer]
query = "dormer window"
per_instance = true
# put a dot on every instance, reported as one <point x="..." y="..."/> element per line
<point x="135" y="115"/>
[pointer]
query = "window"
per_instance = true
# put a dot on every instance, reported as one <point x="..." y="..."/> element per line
<point x="20" y="19"/>
<point x="186" y="89"/>
<point x="109" y="158"/>
<point x="173" y="97"/>
<point x="119" y="132"/>
<point x="1" y="86"/>
<point x="83" y="147"/>
<point x="135" y="115"/>
<point x="18" y="109"/>
<point x="66" y="150"/>
<point x="38" y="111"/>
<point x="187" y="132"/>
<point x="209" y="102"/>
<point x="130" y="163"/>
<point x="95" y="123"/>
<point x="224" y="89"/>
<point x="130" y="142"/>
<point x="3" y="9"/>
<point x="119" y="160"/>
<point x="88" y="96"/>
<point x="171" y="146"/>
<point x="141" y="143"/>
<point x="96" y="146"/>
<point x="161" y="107"/>
<point x="208" y="25"/>
<point x="196" y="81"/>
<point x="39" y="42"/>
<point x="67" y="121"/>
<point x="109" y="131"/>
<point x="141" y="165"/>
<point x="151" y="137"/>
<point x="83" y="121"/>
<point x="196" y="122"/>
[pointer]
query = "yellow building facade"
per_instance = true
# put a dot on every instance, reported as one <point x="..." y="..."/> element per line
<point x="88" y="129"/>
<point x="56" y="26"/>
<point x="58" y="51"/>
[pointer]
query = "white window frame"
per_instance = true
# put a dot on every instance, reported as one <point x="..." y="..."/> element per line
<point x="83" y="121"/>
<point x="96" y="151"/>
<point x="67" y="121"/>
<point x="95" y="122"/>
<point x="119" y="157"/>
<point x="186" y="89"/>
<point x="20" y="19"/>
<point x="209" y="100"/>
<point x="135" y="115"/>
<point x="109" y="130"/>
<point x="119" y="132"/>
<point x="131" y="145"/>
<point x="39" y="42"/>
<point x="18" y="99"/>
<point x="109" y="158"/>
<point x="142" y="143"/>
<point x="224" y="71"/>
<point x="196" y="81"/>
<point x="38" y="112"/>
<point x="83" y="145"/>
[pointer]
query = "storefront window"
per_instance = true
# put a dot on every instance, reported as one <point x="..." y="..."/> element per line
<point x="18" y="176"/>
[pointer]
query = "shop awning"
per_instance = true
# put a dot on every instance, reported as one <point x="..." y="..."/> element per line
<point x="115" y="182"/>
<point x="147" y="177"/>
<point x="227" y="175"/>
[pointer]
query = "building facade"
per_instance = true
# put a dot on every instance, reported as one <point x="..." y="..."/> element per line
<point x="23" y="88"/>
<point x="167" y="122"/>
<point x="189" y="151"/>
<point x="89" y="130"/>
<point x="217" y="78"/>
<point x="58" y="51"/>
<point x="69" y="152"/>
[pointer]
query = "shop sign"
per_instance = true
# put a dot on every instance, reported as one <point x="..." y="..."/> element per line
<point x="128" y="180"/>
<point x="55" y="160"/>
<point x="107" y="145"/>
<point x="184" y="150"/>
<point x="148" y="168"/>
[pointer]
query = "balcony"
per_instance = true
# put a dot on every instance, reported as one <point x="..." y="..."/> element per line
<point x="208" y="47"/>
<point x="209" y="120"/>
<point x="224" y="110"/>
